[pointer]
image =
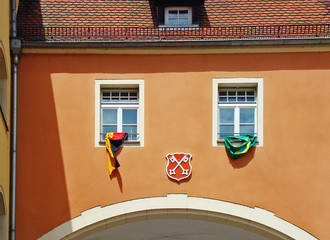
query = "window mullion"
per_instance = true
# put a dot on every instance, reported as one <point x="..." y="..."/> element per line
<point x="102" y="123"/>
<point x="120" y="120"/>
<point x="255" y="120"/>
<point x="236" y="121"/>
<point x="137" y="122"/>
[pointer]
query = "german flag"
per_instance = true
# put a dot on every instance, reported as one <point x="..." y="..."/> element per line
<point x="244" y="143"/>
<point x="113" y="140"/>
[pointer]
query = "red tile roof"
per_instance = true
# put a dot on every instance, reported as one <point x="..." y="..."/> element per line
<point x="51" y="13"/>
<point x="143" y="14"/>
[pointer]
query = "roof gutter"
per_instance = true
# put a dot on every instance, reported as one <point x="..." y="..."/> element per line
<point x="180" y="47"/>
<point x="15" y="46"/>
<point x="179" y="43"/>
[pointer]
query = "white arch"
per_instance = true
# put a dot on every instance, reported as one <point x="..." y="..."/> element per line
<point x="256" y="220"/>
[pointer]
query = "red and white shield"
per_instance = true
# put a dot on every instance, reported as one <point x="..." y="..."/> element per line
<point x="178" y="165"/>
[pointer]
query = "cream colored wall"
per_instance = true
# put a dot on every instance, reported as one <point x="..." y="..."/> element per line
<point x="5" y="73"/>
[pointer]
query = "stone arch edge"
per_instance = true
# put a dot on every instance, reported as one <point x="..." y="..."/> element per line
<point x="257" y="220"/>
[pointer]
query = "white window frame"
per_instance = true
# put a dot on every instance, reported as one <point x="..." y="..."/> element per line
<point x="237" y="106"/>
<point x="237" y="82"/>
<point x="167" y="9"/>
<point x="116" y="84"/>
<point x="119" y="107"/>
<point x="237" y="122"/>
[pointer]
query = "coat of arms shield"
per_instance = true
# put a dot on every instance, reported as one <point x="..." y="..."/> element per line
<point x="178" y="165"/>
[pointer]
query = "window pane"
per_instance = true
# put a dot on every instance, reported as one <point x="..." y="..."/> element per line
<point x="131" y="131"/>
<point x="223" y="99"/>
<point x="129" y="116"/>
<point x="246" y="129"/>
<point x="133" y="96"/>
<point x="226" y="115"/>
<point x="226" y="130"/>
<point x="173" y="21"/>
<point x="222" y="94"/>
<point x="106" y="129"/>
<point x="183" y="13"/>
<point x="250" y="96"/>
<point x="105" y="99"/>
<point x="109" y="116"/>
<point x="247" y="115"/>
<point x="173" y="13"/>
<point x="106" y="96"/>
<point x="183" y="21"/>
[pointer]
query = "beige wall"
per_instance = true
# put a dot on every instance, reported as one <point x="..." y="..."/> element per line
<point x="4" y="23"/>
<point x="61" y="173"/>
<point x="5" y="86"/>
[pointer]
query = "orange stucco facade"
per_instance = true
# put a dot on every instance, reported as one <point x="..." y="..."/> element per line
<point x="61" y="173"/>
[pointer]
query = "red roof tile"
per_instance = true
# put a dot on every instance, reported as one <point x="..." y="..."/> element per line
<point x="143" y="13"/>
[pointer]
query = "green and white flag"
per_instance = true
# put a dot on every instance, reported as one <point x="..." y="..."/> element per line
<point x="242" y="145"/>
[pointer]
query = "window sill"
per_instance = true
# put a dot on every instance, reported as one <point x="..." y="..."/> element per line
<point x="221" y="143"/>
<point x="125" y="144"/>
<point x="178" y="28"/>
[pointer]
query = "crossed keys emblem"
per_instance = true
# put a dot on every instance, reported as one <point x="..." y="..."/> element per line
<point x="178" y="165"/>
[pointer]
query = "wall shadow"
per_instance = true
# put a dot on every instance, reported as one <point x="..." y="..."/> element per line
<point x="126" y="64"/>
<point x="154" y="12"/>
<point x="244" y="160"/>
<point x="30" y="19"/>
<point x="203" y="18"/>
<point x="116" y="173"/>
<point x="42" y="195"/>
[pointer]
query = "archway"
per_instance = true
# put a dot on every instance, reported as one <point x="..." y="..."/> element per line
<point x="177" y="216"/>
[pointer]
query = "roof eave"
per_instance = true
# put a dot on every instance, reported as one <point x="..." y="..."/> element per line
<point x="176" y="43"/>
<point x="182" y="47"/>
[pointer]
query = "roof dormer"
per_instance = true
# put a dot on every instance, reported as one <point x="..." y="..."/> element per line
<point x="178" y="13"/>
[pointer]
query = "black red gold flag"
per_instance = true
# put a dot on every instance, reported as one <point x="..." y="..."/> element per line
<point x="113" y="140"/>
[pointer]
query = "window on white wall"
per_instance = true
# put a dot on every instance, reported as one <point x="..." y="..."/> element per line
<point x="237" y="108"/>
<point x="119" y="108"/>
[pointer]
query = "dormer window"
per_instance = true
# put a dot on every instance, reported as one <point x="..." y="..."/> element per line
<point x="178" y="16"/>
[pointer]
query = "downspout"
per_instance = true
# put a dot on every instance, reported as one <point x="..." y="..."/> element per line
<point x="15" y="47"/>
